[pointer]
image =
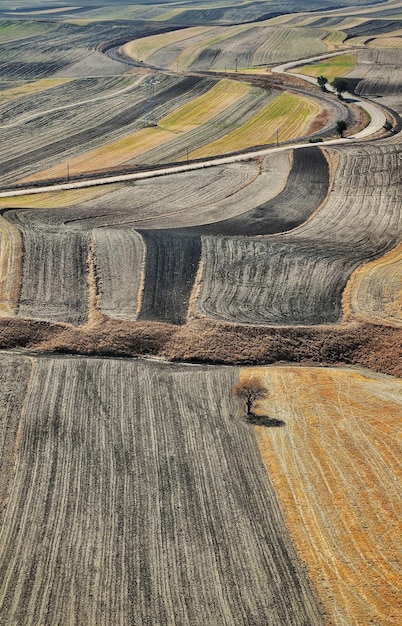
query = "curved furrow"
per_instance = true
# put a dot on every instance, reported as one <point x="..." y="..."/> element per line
<point x="95" y="129"/>
<point x="299" y="277"/>
<point x="302" y="195"/>
<point x="374" y="292"/>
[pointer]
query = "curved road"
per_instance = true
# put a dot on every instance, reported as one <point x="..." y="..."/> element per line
<point x="377" y="120"/>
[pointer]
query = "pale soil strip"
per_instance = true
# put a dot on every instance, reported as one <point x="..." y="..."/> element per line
<point x="141" y="49"/>
<point x="139" y="498"/>
<point x="56" y="200"/>
<point x="10" y="267"/>
<point x="374" y="291"/>
<point x="119" y="260"/>
<point x="336" y="466"/>
<point x="15" y="373"/>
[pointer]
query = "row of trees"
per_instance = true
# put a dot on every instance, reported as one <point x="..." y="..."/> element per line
<point x="340" y="85"/>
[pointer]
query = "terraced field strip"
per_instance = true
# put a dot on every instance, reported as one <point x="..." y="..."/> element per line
<point x="119" y="293"/>
<point x="171" y="264"/>
<point x="29" y="88"/>
<point x="374" y="292"/>
<point x="334" y="41"/>
<point x="336" y="466"/>
<point x="300" y="197"/>
<point x="10" y="267"/>
<point x="288" y="116"/>
<point x="139" y="497"/>
<point x="108" y="156"/>
<point x="56" y="199"/>
<point x="69" y="132"/>
<point x="142" y="49"/>
<point x="330" y="68"/>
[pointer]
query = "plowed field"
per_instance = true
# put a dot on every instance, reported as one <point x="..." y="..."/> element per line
<point x="141" y="499"/>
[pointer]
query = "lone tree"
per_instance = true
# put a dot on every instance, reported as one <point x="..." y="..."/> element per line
<point x="249" y="390"/>
<point x="322" y="81"/>
<point x="341" y="126"/>
<point x="340" y="85"/>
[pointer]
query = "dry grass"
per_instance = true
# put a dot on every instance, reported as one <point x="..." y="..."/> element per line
<point x="10" y="267"/>
<point x="374" y="347"/>
<point x="337" y="469"/>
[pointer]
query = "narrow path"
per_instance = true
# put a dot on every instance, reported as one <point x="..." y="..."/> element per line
<point x="377" y="117"/>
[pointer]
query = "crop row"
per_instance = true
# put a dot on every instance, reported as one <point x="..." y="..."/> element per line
<point x="140" y="497"/>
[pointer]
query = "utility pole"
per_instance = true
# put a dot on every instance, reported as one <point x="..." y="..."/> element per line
<point x="236" y="64"/>
<point x="277" y="137"/>
<point x="68" y="172"/>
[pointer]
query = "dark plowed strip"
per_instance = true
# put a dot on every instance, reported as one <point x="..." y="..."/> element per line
<point x="171" y="263"/>
<point x="306" y="189"/>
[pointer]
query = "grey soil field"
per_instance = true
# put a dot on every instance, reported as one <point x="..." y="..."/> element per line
<point x="299" y="277"/>
<point x="54" y="276"/>
<point x="139" y="497"/>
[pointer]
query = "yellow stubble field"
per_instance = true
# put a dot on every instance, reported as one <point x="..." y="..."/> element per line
<point x="336" y="466"/>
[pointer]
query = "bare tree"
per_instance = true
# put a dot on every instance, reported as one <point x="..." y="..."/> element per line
<point x="249" y="390"/>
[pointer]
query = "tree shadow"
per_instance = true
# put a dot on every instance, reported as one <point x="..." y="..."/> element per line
<point x="264" y="420"/>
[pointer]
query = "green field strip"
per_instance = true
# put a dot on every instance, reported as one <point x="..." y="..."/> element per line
<point x="56" y="199"/>
<point x="220" y="125"/>
<point x="262" y="128"/>
<point x="330" y="68"/>
<point x="202" y="109"/>
<point x="12" y="30"/>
